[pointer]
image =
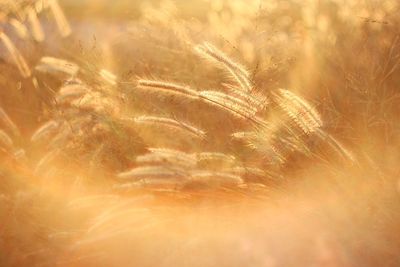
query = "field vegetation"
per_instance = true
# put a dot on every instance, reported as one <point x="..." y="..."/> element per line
<point x="199" y="133"/>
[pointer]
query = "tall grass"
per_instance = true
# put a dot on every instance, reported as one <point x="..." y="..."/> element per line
<point x="229" y="133"/>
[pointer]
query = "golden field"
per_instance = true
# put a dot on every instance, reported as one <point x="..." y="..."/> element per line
<point x="199" y="133"/>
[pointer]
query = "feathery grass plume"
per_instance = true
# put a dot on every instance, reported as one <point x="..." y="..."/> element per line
<point x="256" y="100"/>
<point x="36" y="27"/>
<point x="70" y="92"/>
<point x="245" y="107"/>
<point x="168" y="88"/>
<point x="158" y="184"/>
<point x="149" y="172"/>
<point x="171" y="123"/>
<point x="216" y="177"/>
<point x="45" y="130"/>
<point x="18" y="59"/>
<point x="249" y="171"/>
<point x="238" y="72"/>
<point x="20" y="29"/>
<point x="6" y="121"/>
<point x="301" y="112"/>
<point x="54" y="65"/>
<point x="177" y="154"/>
<point x="108" y="76"/>
<point x="215" y="156"/>
<point x="170" y="157"/>
<point x="5" y="140"/>
<point x="261" y="141"/>
<point x="230" y="104"/>
<point x="98" y="103"/>
<point x="244" y="135"/>
<point x="226" y="103"/>
<point x="61" y="21"/>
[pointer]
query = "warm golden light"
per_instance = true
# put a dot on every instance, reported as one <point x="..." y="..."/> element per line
<point x="199" y="133"/>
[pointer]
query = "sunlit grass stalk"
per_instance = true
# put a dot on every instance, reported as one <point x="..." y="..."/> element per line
<point x="61" y="21"/>
<point x="171" y="123"/>
<point x="18" y="59"/>
<point x="166" y="87"/>
<point x="237" y="71"/>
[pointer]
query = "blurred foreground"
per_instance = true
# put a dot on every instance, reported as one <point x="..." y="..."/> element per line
<point x="199" y="133"/>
